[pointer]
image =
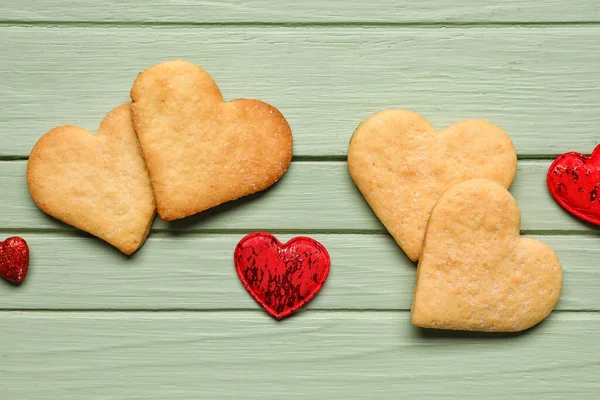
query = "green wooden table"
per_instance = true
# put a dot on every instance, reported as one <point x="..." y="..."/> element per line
<point x="173" y="321"/>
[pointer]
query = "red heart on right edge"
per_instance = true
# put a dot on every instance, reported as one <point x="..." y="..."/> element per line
<point x="281" y="277"/>
<point x="574" y="182"/>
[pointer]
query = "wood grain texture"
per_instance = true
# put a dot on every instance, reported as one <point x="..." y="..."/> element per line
<point x="307" y="11"/>
<point x="312" y="196"/>
<point x="247" y="355"/>
<point x="173" y="321"/>
<point x="196" y="272"/>
<point x="539" y="83"/>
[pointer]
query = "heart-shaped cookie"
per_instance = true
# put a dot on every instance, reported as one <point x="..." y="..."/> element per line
<point x="281" y="277"/>
<point x="201" y="151"/>
<point x="402" y="165"/>
<point x="476" y="272"/>
<point x="14" y="259"/>
<point x="97" y="183"/>
<point x="574" y="182"/>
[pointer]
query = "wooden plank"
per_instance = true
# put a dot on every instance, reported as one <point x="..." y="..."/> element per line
<point x="333" y="355"/>
<point x="195" y="272"/>
<point x="351" y="11"/>
<point x="311" y="196"/>
<point x="539" y="84"/>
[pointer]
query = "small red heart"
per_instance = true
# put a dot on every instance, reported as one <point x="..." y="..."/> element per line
<point x="281" y="277"/>
<point x="14" y="259"/>
<point x="574" y="182"/>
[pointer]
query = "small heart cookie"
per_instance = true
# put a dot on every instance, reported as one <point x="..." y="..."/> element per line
<point x="476" y="272"/>
<point x="201" y="151"/>
<point x="402" y="165"/>
<point x="97" y="183"/>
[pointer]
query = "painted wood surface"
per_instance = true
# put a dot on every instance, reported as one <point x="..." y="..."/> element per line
<point x="306" y="11"/>
<point x="312" y="196"/>
<point x="247" y="355"/>
<point x="539" y="83"/>
<point x="196" y="272"/>
<point x="173" y="321"/>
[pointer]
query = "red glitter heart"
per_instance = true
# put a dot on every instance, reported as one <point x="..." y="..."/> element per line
<point x="281" y="277"/>
<point x="574" y="182"/>
<point x="14" y="259"/>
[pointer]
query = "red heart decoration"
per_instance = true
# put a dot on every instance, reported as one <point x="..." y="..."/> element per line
<point x="281" y="277"/>
<point x="14" y="259"/>
<point x="574" y="182"/>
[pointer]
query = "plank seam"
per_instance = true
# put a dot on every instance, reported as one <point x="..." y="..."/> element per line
<point x="306" y="24"/>
<point x="232" y="310"/>
<point x="166" y="232"/>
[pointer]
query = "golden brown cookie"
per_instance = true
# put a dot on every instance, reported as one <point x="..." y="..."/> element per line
<point x="201" y="151"/>
<point x="476" y="273"/>
<point x="97" y="183"/>
<point x="402" y="165"/>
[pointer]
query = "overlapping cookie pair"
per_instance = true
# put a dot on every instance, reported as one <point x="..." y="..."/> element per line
<point x="443" y="197"/>
<point x="177" y="148"/>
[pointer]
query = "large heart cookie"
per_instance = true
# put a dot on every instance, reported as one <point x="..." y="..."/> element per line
<point x="97" y="183"/>
<point x="476" y="272"/>
<point x="402" y="165"/>
<point x="201" y="151"/>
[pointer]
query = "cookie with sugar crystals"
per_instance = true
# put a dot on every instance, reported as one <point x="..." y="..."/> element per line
<point x="202" y="151"/>
<point x="402" y="165"/>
